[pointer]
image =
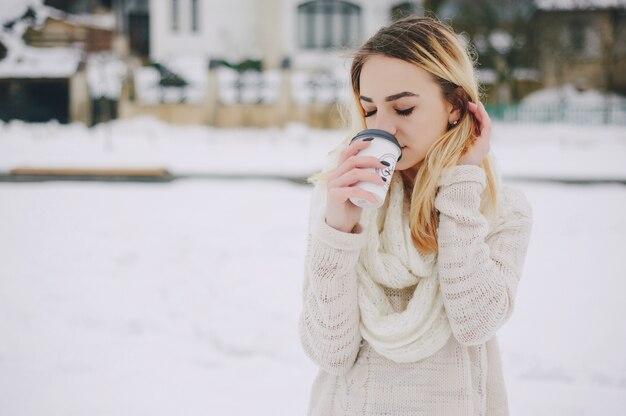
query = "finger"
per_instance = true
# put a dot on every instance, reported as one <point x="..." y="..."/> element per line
<point x="485" y="120"/>
<point x="353" y="148"/>
<point x="341" y="195"/>
<point x="356" y="162"/>
<point x="354" y="176"/>
<point x="483" y="111"/>
<point x="476" y="110"/>
<point x="486" y="130"/>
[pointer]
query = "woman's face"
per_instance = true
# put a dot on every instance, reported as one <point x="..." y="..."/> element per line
<point x="406" y="101"/>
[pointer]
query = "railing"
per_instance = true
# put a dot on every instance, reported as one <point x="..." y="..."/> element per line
<point x="614" y="114"/>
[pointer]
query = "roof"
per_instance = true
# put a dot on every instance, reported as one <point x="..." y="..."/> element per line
<point x="562" y="5"/>
<point x="24" y="61"/>
<point x="96" y="21"/>
<point x="14" y="9"/>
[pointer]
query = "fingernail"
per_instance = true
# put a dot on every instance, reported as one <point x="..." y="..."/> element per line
<point x="384" y="162"/>
<point x="369" y="139"/>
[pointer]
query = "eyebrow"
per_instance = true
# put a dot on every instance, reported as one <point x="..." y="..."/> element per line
<point x="392" y="97"/>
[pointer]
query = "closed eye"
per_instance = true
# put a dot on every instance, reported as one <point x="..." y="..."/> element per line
<point x="403" y="113"/>
<point x="406" y="112"/>
<point x="370" y="113"/>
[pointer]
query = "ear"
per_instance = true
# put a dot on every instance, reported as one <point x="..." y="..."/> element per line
<point x="454" y="113"/>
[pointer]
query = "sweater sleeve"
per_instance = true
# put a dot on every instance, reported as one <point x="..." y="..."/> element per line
<point x="329" y="320"/>
<point x="479" y="268"/>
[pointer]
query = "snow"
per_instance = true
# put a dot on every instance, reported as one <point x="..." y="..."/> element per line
<point x="24" y="61"/>
<point x="501" y="41"/>
<point x="104" y="21"/>
<point x="490" y="77"/>
<point x="192" y="68"/>
<point x="568" y="104"/>
<point x="146" y="82"/>
<point x="155" y="298"/>
<point x="579" y="4"/>
<point x="526" y="74"/>
<point x="487" y="76"/>
<point x="12" y="9"/>
<point x="582" y="152"/>
<point x="324" y="87"/>
<point x="568" y="95"/>
<point x="248" y="87"/>
<point x="132" y="299"/>
<point x="105" y="74"/>
<point x="309" y="59"/>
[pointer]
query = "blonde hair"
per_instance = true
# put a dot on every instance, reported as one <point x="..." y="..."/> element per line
<point x="435" y="48"/>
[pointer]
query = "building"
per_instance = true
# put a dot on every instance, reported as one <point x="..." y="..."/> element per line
<point x="582" y="42"/>
<point x="39" y="85"/>
<point x="247" y="62"/>
<point x="133" y="28"/>
<point x="308" y="34"/>
<point x="42" y="72"/>
<point x="90" y="32"/>
<point x="60" y="65"/>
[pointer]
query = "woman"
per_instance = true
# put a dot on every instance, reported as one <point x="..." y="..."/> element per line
<point x="401" y="304"/>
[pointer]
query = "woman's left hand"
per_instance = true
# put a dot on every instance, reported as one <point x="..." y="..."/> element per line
<point x="480" y="148"/>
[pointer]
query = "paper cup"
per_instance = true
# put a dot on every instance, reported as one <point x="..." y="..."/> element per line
<point x="385" y="148"/>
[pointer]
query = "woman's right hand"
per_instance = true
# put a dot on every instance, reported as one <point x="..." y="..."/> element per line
<point x="341" y="213"/>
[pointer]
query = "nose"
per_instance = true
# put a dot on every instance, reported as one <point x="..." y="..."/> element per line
<point x="384" y="122"/>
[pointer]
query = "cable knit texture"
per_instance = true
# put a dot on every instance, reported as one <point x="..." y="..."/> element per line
<point x="390" y="260"/>
<point x="478" y="268"/>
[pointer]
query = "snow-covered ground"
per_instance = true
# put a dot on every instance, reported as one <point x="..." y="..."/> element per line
<point x="533" y="151"/>
<point x="160" y="299"/>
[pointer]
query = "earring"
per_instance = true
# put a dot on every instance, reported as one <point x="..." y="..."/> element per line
<point x="455" y="122"/>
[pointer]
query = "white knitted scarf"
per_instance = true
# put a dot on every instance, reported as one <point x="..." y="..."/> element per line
<point x="389" y="259"/>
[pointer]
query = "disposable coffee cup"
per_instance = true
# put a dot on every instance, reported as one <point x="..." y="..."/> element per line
<point x="385" y="148"/>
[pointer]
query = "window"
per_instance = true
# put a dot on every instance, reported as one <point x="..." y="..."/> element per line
<point x="327" y="24"/>
<point x="175" y="15"/>
<point x="195" y="18"/>
<point x="581" y="38"/>
<point x="576" y="36"/>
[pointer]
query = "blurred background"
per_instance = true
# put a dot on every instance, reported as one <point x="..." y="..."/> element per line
<point x="272" y="62"/>
<point x="153" y="203"/>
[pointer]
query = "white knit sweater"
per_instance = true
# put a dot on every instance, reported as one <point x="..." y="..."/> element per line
<point x="479" y="269"/>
